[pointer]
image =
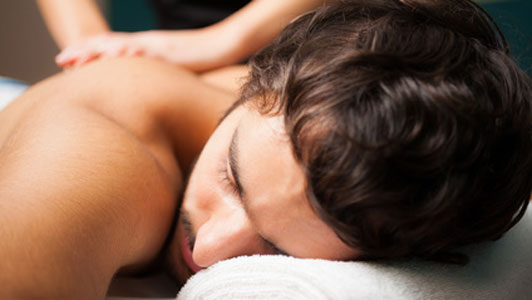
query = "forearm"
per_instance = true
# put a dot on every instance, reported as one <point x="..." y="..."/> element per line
<point x="70" y="21"/>
<point x="260" y="22"/>
<point x="226" y="42"/>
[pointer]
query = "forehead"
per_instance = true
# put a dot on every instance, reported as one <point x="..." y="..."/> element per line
<point x="275" y="184"/>
<point x="265" y="154"/>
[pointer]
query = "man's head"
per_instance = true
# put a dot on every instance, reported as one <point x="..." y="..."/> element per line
<point x="368" y="129"/>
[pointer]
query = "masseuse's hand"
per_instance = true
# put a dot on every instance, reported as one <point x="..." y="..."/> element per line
<point x="197" y="50"/>
<point x="107" y="44"/>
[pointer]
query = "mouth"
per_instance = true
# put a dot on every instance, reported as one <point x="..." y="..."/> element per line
<point x="186" y="250"/>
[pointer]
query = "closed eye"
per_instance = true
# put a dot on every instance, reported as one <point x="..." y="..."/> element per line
<point x="229" y="185"/>
<point x="276" y="250"/>
<point x="232" y="183"/>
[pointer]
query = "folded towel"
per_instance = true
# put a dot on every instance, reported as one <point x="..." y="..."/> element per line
<point x="497" y="270"/>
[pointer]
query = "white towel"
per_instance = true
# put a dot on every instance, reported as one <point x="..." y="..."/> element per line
<point x="9" y="90"/>
<point x="497" y="270"/>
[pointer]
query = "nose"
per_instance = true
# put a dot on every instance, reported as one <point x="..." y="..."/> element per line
<point x="225" y="235"/>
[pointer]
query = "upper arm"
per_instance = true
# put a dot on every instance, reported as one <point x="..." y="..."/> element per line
<point x="77" y="202"/>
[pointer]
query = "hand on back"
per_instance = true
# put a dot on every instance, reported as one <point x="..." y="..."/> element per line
<point x="197" y="50"/>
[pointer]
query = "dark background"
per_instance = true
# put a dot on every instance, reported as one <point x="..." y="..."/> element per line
<point x="27" y="51"/>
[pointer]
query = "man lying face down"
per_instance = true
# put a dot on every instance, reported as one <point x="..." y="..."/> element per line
<point x="367" y="130"/>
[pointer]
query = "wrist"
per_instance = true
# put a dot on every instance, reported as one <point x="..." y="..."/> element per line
<point x="230" y="42"/>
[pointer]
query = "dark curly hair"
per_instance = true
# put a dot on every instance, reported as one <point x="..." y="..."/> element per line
<point x="411" y="120"/>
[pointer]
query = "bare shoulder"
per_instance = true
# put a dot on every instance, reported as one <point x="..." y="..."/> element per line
<point x="151" y="99"/>
<point x="88" y="177"/>
<point x="80" y="198"/>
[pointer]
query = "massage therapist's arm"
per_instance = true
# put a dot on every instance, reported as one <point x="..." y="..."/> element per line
<point x="224" y="43"/>
<point x="258" y="23"/>
<point x="232" y="39"/>
<point x="71" y="21"/>
<point x="89" y="178"/>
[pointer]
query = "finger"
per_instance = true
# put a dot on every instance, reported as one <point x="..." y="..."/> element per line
<point x="65" y="64"/>
<point x="86" y="58"/>
<point x="75" y="55"/>
<point x="134" y="51"/>
<point x="66" y="57"/>
<point x="116" y="50"/>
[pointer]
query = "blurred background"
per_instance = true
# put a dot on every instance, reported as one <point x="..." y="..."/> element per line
<point x="27" y="51"/>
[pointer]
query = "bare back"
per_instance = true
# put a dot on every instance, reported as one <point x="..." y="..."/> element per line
<point x="90" y="172"/>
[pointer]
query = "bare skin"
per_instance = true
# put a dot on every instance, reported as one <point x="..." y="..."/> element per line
<point x="91" y="172"/>
<point x="83" y="35"/>
<point x="93" y="165"/>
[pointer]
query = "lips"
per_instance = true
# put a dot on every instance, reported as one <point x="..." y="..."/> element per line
<point x="187" y="255"/>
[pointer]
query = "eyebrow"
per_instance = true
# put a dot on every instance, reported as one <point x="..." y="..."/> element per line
<point x="233" y="107"/>
<point x="235" y="168"/>
<point x="235" y="171"/>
